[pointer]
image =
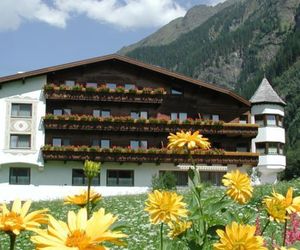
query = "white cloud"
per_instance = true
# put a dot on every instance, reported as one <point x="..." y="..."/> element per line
<point x="121" y="13"/>
<point x="13" y="12"/>
<point x="215" y="2"/>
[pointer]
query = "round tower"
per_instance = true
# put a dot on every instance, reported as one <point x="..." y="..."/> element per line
<point x="267" y="110"/>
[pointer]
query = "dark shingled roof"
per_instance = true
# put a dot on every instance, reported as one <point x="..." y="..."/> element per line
<point x="266" y="94"/>
<point x="124" y="59"/>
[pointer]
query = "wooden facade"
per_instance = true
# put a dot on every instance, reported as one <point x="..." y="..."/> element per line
<point x="108" y="86"/>
<point x="117" y="110"/>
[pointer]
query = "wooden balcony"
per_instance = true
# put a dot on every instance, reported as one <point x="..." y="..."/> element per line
<point x="127" y="124"/>
<point x="71" y="153"/>
<point x="155" y="96"/>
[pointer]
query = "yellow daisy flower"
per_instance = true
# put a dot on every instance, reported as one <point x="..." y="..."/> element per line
<point x="18" y="219"/>
<point x="237" y="236"/>
<point x="178" y="228"/>
<point x="276" y="209"/>
<point x="80" y="233"/>
<point x="238" y="186"/>
<point x="189" y="140"/>
<point x="285" y="248"/>
<point x="165" y="207"/>
<point x="292" y="204"/>
<point x="81" y="199"/>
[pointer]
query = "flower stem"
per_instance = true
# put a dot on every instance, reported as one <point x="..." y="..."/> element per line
<point x="88" y="197"/>
<point x="161" y="236"/>
<point x="284" y="232"/>
<point x="223" y="197"/>
<point x="265" y="227"/>
<point x="12" y="241"/>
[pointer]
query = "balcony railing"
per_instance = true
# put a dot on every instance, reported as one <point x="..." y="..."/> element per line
<point x="152" y="125"/>
<point x="103" y="94"/>
<point x="81" y="153"/>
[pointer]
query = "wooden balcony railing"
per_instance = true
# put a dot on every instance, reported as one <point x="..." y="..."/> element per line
<point x="127" y="124"/>
<point x="78" y="93"/>
<point x="71" y="153"/>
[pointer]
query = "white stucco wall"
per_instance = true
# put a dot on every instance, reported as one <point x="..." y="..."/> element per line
<point x="266" y="109"/>
<point x="60" y="173"/>
<point x="270" y="134"/>
<point x="27" y="91"/>
<point x="272" y="162"/>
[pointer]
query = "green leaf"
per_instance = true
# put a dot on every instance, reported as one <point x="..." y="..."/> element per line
<point x="191" y="174"/>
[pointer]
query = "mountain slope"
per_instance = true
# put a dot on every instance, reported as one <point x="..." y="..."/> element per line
<point x="235" y="48"/>
<point x="170" y="32"/>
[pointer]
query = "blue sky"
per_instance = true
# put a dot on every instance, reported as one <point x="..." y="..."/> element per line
<point x="41" y="33"/>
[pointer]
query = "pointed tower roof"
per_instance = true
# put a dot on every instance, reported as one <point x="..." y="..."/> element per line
<point x="266" y="94"/>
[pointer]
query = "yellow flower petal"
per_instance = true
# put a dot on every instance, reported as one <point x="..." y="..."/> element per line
<point x="79" y="233"/>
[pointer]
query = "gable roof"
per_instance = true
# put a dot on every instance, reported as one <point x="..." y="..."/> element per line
<point x="116" y="57"/>
<point x="266" y="94"/>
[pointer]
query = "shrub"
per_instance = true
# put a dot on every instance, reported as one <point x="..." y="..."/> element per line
<point x="164" y="181"/>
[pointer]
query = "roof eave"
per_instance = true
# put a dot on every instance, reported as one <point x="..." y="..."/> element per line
<point x="157" y="69"/>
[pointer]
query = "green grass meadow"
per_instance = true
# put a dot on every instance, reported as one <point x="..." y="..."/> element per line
<point x="143" y="235"/>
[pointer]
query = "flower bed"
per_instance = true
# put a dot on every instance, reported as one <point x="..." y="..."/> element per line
<point x="154" y="155"/>
<point x="120" y="94"/>
<point x="124" y="123"/>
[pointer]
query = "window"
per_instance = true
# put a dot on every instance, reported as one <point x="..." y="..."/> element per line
<point x="70" y="83"/>
<point x="79" y="179"/>
<point x="19" y="176"/>
<point x="105" y="113"/>
<point x="20" y="141"/>
<point x="279" y="121"/>
<point x="139" y="114"/>
<point x="174" y="116"/>
<point x="129" y="86"/>
<point x="96" y="112"/>
<point x="272" y="148"/>
<point x="243" y="119"/>
<point x="111" y="85"/>
<point x="62" y="111"/>
<point x="242" y="147"/>
<point x="215" y="118"/>
<point x="259" y="120"/>
<point x="60" y="142"/>
<point x="261" y="148"/>
<point x="21" y="110"/>
<point x="91" y="85"/>
<point x="206" y="117"/>
<point x="144" y="114"/>
<point x="271" y="120"/>
<point x="105" y="143"/>
<point x="120" y="178"/>
<point x="135" y="144"/>
<point x="102" y="113"/>
<point x="179" y="116"/>
<point x="182" y="116"/>
<point x="180" y="176"/>
<point x="212" y="117"/>
<point x="214" y="178"/>
<point x="280" y="149"/>
<point x="176" y="91"/>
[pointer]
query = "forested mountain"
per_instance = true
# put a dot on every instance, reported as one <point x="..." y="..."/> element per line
<point x="170" y="32"/>
<point x="235" y="47"/>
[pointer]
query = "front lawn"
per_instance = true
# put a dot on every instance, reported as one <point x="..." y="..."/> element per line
<point x="143" y="235"/>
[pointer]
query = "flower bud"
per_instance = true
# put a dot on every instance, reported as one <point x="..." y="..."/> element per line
<point x="91" y="168"/>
